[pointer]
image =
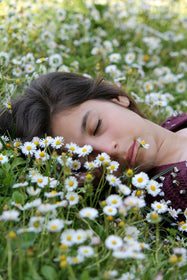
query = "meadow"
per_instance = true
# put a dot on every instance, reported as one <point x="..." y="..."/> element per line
<point x="53" y="227"/>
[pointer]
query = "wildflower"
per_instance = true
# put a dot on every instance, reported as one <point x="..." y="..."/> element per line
<point x="133" y="201"/>
<point x="71" y="183"/>
<point x="55" y="225"/>
<point x="53" y="183"/>
<point x="11" y="215"/>
<point x="46" y="142"/>
<point x="113" y="180"/>
<point x="183" y="227"/>
<point x="29" y="68"/>
<point x="63" y="68"/>
<point x="114" y="200"/>
<point x="113" y="242"/>
<point x="129" y="58"/>
<point x="143" y="144"/>
<point x="88" y="212"/>
<point x="140" y="180"/>
<point x="57" y="142"/>
<point x="67" y="237"/>
<point x="28" y="148"/>
<point x="113" y="166"/>
<point x="72" y="147"/>
<point x="173" y="212"/>
<point x="181" y="87"/>
<point x="90" y="165"/>
<point x="37" y="222"/>
<point x="72" y="198"/>
<point x="159" y="207"/>
<point x="86" y="251"/>
<point x="45" y="208"/>
<point x="124" y="189"/>
<point x="33" y="192"/>
<point x="40" y="180"/>
<point x="110" y="69"/>
<point x="114" y="57"/>
<point x="85" y="150"/>
<point x="17" y="143"/>
<point x="41" y="155"/>
<point x="101" y="158"/>
<point x="55" y="60"/>
<point x="110" y="210"/>
<point x="18" y="185"/>
<point x="12" y="235"/>
<point x="148" y="86"/>
<point x="75" y="260"/>
<point x="35" y="203"/>
<point x="132" y="231"/>
<point x="153" y="187"/>
<point x="3" y="159"/>
<point x="53" y="193"/>
<point x="80" y="236"/>
<point x="17" y="72"/>
<point x="153" y="217"/>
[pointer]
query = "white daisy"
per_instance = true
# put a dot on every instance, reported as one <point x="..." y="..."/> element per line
<point x="173" y="212"/>
<point x="20" y="185"/>
<point x="3" y="159"/>
<point x="75" y="260"/>
<point x="72" y="147"/>
<point x="33" y="192"/>
<point x="42" y="155"/>
<point x="28" y="148"/>
<point x="110" y="210"/>
<point x="159" y="207"/>
<point x="113" y="180"/>
<point x="72" y="198"/>
<point x="11" y="215"/>
<point x="40" y="180"/>
<point x="88" y="212"/>
<point x="143" y="144"/>
<point x="113" y="242"/>
<point x="133" y="201"/>
<point x="45" y="208"/>
<point x="86" y="251"/>
<point x="183" y="227"/>
<point x="57" y="142"/>
<point x="55" y="60"/>
<point x="101" y="158"/>
<point x="129" y="58"/>
<point x="80" y="236"/>
<point x="124" y="189"/>
<point x="67" y="237"/>
<point x="153" y="187"/>
<point x="53" y="193"/>
<point x="113" y="166"/>
<point x="140" y="180"/>
<point x="85" y="150"/>
<point x="55" y="225"/>
<point x="114" y="200"/>
<point x="71" y="183"/>
<point x="46" y="142"/>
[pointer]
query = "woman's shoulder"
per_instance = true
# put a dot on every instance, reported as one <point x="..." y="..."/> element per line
<point x="175" y="123"/>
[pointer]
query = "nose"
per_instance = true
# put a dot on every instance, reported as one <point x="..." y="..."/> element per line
<point x="109" y="147"/>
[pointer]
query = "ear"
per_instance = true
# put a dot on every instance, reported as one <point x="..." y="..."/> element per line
<point x="122" y="100"/>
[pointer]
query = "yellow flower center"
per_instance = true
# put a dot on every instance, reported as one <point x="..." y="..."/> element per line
<point x="140" y="180"/>
<point x="153" y="188"/>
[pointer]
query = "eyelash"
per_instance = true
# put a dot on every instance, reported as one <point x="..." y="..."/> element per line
<point x="97" y="127"/>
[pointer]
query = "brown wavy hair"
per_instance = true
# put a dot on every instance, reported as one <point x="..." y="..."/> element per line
<point x="31" y="113"/>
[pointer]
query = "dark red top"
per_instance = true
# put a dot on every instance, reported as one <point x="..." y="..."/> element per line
<point x="175" y="180"/>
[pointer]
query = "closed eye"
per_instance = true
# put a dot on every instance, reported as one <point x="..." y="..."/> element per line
<point x="97" y="127"/>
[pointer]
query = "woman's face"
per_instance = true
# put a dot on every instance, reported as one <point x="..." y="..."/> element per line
<point x="109" y="128"/>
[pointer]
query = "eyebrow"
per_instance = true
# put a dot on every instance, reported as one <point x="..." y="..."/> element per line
<point x="84" y="120"/>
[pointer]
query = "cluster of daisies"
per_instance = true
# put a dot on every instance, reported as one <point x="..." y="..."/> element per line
<point x="49" y="198"/>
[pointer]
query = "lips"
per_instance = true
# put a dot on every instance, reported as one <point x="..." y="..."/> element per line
<point x="131" y="154"/>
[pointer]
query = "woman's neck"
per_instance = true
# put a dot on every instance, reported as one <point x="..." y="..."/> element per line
<point x="172" y="147"/>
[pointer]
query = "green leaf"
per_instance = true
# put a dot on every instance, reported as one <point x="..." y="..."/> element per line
<point x="18" y="197"/>
<point x="17" y="162"/>
<point x="49" y="272"/>
<point x="85" y="275"/>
